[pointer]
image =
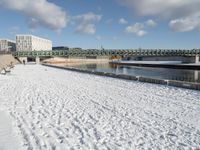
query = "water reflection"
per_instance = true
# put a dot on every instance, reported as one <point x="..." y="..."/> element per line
<point x="196" y="75"/>
<point x="160" y="73"/>
<point x="124" y="70"/>
<point x="91" y="66"/>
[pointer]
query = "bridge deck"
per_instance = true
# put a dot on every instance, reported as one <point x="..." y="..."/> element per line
<point x="115" y="53"/>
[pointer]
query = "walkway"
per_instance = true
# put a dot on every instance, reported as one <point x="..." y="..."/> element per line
<point x="59" y="109"/>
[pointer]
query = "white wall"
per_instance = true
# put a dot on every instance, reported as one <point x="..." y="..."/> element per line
<point x="41" y="44"/>
<point x="31" y="43"/>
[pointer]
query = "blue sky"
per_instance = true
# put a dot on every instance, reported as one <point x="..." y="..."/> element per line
<point x="112" y="24"/>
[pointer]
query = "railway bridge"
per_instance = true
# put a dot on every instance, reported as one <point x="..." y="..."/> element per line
<point x="137" y="54"/>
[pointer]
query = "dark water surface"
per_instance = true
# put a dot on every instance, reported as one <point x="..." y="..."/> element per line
<point x="158" y="73"/>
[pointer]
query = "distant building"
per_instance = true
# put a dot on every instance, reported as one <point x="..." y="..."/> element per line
<point x="7" y="45"/>
<point x="76" y="48"/>
<point x="32" y="43"/>
<point x="60" y="48"/>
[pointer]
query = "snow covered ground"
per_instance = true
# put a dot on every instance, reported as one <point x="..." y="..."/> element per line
<point x="53" y="109"/>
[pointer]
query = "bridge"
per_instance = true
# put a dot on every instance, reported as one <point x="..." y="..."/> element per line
<point x="109" y="52"/>
<point x="186" y="56"/>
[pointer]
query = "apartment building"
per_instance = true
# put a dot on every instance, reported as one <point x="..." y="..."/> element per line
<point x="7" y="45"/>
<point x="32" y="43"/>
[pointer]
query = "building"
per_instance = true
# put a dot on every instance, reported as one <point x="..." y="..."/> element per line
<point x="32" y="43"/>
<point x="7" y="45"/>
<point x="60" y="48"/>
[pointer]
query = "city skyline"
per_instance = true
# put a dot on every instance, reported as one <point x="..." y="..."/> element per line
<point x="114" y="24"/>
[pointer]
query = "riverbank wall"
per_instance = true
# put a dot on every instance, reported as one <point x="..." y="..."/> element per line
<point x="60" y="60"/>
<point x="174" y="83"/>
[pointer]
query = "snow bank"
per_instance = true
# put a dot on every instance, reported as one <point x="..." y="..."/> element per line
<point x="58" y="109"/>
<point x="6" y="60"/>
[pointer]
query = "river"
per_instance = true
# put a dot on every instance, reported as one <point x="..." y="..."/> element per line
<point x="158" y="73"/>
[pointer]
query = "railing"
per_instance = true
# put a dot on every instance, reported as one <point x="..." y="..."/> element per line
<point x="94" y="52"/>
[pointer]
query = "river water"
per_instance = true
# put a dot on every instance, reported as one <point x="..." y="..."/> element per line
<point x="158" y="73"/>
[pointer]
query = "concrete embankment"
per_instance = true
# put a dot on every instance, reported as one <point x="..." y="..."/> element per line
<point x="6" y="60"/>
<point x="181" y="84"/>
<point x="74" y="61"/>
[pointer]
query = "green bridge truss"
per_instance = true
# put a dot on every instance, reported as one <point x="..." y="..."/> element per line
<point x="110" y="53"/>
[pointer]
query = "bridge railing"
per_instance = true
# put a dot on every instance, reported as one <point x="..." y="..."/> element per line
<point x="121" y="52"/>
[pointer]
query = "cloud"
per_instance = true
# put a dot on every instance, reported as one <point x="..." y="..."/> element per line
<point x="86" y="23"/>
<point x="139" y="28"/>
<point x="122" y="21"/>
<point x="141" y="33"/>
<point x="136" y="29"/>
<point x="39" y="13"/>
<point x="170" y="8"/>
<point x="185" y="24"/>
<point x="86" y="28"/>
<point x="179" y="13"/>
<point x="150" y="23"/>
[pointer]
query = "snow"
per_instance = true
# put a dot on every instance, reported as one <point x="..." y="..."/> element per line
<point x="59" y="109"/>
<point x="7" y="139"/>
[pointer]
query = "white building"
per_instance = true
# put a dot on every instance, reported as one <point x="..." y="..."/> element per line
<point x="32" y="43"/>
<point x="7" y="45"/>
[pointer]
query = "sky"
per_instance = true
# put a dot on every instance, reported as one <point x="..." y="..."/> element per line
<point x="111" y="24"/>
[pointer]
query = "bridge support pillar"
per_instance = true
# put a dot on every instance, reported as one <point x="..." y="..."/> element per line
<point x="37" y="60"/>
<point x="197" y="59"/>
<point x="23" y="59"/>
